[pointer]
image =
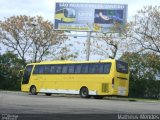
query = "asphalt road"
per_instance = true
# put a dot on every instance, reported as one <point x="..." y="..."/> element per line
<point x="23" y="103"/>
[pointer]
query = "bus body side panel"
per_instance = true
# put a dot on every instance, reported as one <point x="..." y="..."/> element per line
<point x="24" y="88"/>
<point x="71" y="84"/>
<point x="37" y="81"/>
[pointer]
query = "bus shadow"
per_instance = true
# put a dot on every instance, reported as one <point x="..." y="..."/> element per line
<point x="90" y="98"/>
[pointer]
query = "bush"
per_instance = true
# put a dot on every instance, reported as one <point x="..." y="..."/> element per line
<point x="9" y="69"/>
<point x="143" y="77"/>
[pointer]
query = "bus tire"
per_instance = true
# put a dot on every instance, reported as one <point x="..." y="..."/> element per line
<point x="84" y="93"/>
<point x="33" y="90"/>
<point x="48" y="94"/>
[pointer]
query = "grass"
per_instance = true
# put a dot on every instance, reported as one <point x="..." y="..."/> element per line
<point x="133" y="99"/>
<point x="143" y="99"/>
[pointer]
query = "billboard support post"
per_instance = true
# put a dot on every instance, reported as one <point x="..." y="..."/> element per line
<point x="89" y="17"/>
<point x="88" y="43"/>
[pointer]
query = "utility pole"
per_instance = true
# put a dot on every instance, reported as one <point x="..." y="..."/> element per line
<point x="88" y="45"/>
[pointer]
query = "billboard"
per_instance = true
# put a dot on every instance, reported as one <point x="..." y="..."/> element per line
<point x="88" y="16"/>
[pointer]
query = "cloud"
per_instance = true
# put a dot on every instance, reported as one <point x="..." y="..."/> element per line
<point x="45" y="8"/>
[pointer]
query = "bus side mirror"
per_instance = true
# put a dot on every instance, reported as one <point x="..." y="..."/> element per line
<point x="20" y="74"/>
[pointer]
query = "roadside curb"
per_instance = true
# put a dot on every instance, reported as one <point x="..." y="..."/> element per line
<point x="131" y="100"/>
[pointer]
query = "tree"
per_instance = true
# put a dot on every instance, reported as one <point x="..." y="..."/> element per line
<point x="44" y="38"/>
<point x="105" y="45"/>
<point x="144" y="75"/>
<point x="108" y="44"/>
<point x="10" y="65"/>
<point x="145" y="30"/>
<point x="66" y="52"/>
<point x="29" y="36"/>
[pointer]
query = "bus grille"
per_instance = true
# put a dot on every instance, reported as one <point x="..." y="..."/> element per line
<point x="105" y="87"/>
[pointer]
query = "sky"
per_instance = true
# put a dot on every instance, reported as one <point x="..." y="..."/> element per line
<point x="45" y="8"/>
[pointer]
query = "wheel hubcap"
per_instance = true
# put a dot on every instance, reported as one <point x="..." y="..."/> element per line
<point x="33" y="90"/>
<point x="84" y="93"/>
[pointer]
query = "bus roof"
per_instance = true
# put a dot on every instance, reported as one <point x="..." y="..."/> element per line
<point x="69" y="62"/>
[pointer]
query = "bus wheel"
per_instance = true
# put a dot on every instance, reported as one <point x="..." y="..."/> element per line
<point x="48" y="94"/>
<point x="84" y="93"/>
<point x="98" y="97"/>
<point x="33" y="90"/>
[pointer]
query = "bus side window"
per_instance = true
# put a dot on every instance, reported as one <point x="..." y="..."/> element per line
<point x="47" y="69"/>
<point x="84" y="68"/>
<point x="64" y="69"/>
<point x="71" y="69"/>
<point x="107" y="67"/>
<point x="77" y="68"/>
<point x="59" y="12"/>
<point x="53" y="69"/>
<point x="41" y="69"/>
<point x="99" y="68"/>
<point x="58" y="69"/>
<point x="92" y="68"/>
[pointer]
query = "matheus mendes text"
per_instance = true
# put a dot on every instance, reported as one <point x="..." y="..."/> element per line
<point x="139" y="116"/>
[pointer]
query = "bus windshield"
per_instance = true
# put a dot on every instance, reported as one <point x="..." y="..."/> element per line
<point x="69" y="13"/>
<point x="122" y="67"/>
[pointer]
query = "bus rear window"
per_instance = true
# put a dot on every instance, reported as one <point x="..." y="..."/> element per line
<point x="121" y="67"/>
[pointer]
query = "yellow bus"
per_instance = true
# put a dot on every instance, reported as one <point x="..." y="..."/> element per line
<point x="86" y="78"/>
<point x="66" y="15"/>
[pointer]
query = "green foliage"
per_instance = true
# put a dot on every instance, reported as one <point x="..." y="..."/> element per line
<point x="144" y="81"/>
<point x="9" y="69"/>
